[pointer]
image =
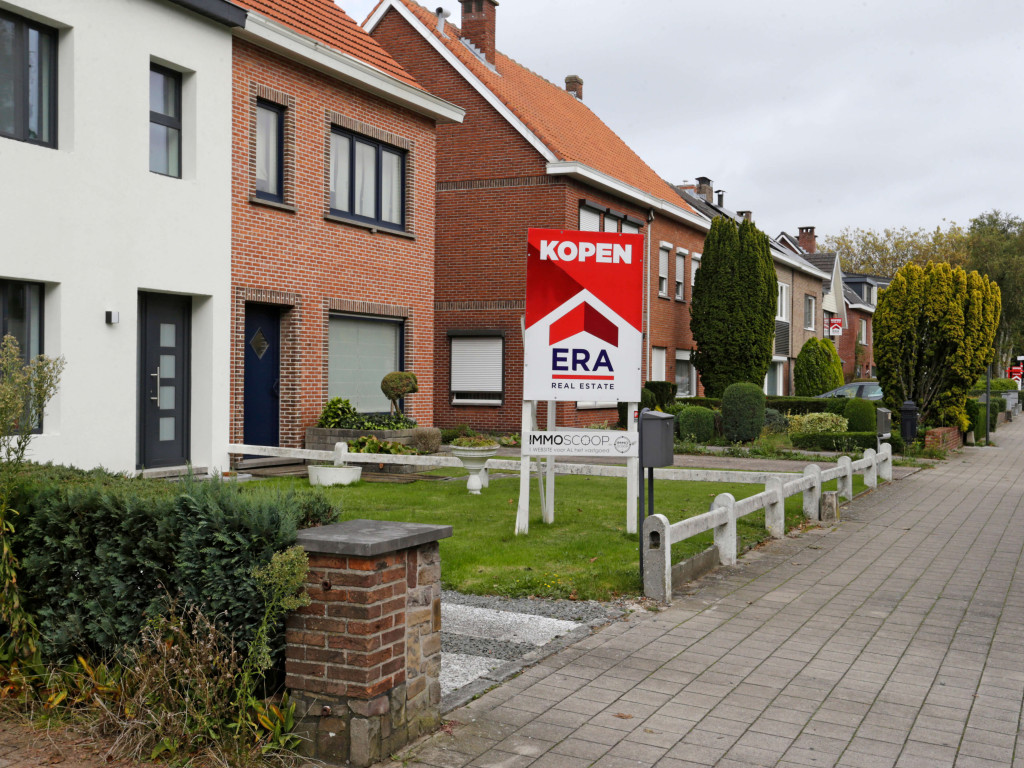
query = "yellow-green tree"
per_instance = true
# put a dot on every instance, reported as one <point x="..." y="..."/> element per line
<point x="933" y="334"/>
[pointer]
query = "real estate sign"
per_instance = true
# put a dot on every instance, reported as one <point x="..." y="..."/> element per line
<point x="583" y="442"/>
<point x="835" y="326"/>
<point x="584" y="316"/>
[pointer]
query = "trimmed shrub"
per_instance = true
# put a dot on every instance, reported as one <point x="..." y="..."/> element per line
<point x="774" y="422"/>
<point x="664" y="392"/>
<point x="695" y="423"/>
<point x="817" y="368"/>
<point x="998" y="385"/>
<point x="647" y="399"/>
<point x="834" y="441"/>
<point x="816" y="423"/>
<point x="836" y="405"/>
<point x="791" y="405"/>
<point x="860" y="415"/>
<point x="742" y="412"/>
<point x="973" y="408"/>
<point x="426" y="439"/>
<point x="398" y="384"/>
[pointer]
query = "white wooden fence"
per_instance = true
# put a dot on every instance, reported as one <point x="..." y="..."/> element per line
<point x="659" y="535"/>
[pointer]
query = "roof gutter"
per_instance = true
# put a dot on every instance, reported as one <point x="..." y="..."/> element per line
<point x="292" y="45"/>
<point x="608" y="183"/>
<point x="221" y="11"/>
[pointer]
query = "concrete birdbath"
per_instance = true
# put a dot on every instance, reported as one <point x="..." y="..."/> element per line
<point x="474" y="452"/>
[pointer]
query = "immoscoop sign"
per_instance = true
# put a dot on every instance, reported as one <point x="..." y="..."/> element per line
<point x="582" y="341"/>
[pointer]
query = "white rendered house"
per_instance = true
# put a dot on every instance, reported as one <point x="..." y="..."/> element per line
<point x="115" y="222"/>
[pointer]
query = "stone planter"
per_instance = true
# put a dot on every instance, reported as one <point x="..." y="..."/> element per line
<point x="329" y="475"/>
<point x="475" y="460"/>
<point x="318" y="439"/>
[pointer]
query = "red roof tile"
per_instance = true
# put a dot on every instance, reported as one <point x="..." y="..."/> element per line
<point x="561" y="121"/>
<point x="328" y="24"/>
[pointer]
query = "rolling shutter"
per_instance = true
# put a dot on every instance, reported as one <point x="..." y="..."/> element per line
<point x="476" y="368"/>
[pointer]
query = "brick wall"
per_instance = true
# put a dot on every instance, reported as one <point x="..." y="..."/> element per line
<point x="946" y="438"/>
<point x="847" y="346"/>
<point x="292" y="257"/>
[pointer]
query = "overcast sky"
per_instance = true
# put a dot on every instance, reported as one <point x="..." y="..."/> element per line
<point x="835" y="113"/>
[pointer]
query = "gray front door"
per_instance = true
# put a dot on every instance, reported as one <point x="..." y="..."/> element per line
<point x="164" y="377"/>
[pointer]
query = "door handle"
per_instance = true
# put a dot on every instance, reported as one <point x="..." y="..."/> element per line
<point x="157" y="377"/>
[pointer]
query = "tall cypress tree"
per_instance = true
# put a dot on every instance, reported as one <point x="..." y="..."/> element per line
<point x="732" y="316"/>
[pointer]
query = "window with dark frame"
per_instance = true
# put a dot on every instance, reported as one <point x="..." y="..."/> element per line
<point x="476" y="367"/>
<point x="28" y="81"/>
<point x="269" y="151"/>
<point x="164" y="121"/>
<point x="21" y="315"/>
<point x="367" y="180"/>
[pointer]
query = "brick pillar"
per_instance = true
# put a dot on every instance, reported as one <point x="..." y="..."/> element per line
<point x="363" y="659"/>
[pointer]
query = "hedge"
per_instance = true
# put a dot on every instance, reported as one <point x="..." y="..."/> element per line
<point x="860" y="414"/>
<point x="695" y="423"/>
<point x="742" y="412"/>
<point x="841" y="441"/>
<point x="101" y="553"/>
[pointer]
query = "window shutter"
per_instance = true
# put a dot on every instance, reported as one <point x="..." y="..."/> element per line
<point x="476" y="364"/>
<point x="590" y="220"/>
<point x="630" y="229"/>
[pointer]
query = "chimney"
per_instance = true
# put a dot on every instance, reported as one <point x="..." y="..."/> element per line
<point x="704" y="188"/>
<point x="574" y="85"/>
<point x="721" y="198"/>
<point x="806" y="239"/>
<point x="478" y="25"/>
<point x="745" y="215"/>
<point x="442" y="14"/>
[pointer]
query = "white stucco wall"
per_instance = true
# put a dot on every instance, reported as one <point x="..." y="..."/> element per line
<point x="90" y="221"/>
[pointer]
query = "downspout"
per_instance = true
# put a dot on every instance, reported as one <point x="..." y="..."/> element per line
<point x="647" y="294"/>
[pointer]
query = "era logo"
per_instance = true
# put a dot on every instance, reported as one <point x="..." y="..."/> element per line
<point x="580" y="360"/>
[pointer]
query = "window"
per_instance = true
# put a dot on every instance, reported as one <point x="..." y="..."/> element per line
<point x="269" y="151"/>
<point x="658" y="364"/>
<point x="663" y="270"/>
<point x="694" y="266"/>
<point x="874" y="294"/>
<point x="477" y="369"/>
<point x="782" y="310"/>
<point x="360" y="352"/>
<point x="686" y="375"/>
<point x="28" y="81"/>
<point x="630" y="228"/>
<point x="611" y="223"/>
<point x="21" y="315"/>
<point x="809" y="311"/>
<point x="590" y="220"/>
<point x="680" y="274"/>
<point x="596" y="218"/>
<point x="862" y="335"/>
<point x="164" y="121"/>
<point x="367" y="180"/>
<point x="773" y="379"/>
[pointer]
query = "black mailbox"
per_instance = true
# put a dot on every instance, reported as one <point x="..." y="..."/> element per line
<point x="883" y="419"/>
<point x="908" y="421"/>
<point x="657" y="438"/>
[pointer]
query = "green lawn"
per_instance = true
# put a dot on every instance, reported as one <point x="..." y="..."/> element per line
<point x="585" y="554"/>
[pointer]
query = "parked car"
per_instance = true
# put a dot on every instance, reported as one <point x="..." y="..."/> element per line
<point x="869" y="390"/>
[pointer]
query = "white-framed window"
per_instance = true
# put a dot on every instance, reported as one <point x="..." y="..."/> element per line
<point x="810" y="308"/>
<point x="782" y="310"/>
<point x="773" y="380"/>
<point x="686" y="375"/>
<point x="862" y="335"/>
<point x="680" y="274"/>
<point x="663" y="254"/>
<point x="477" y="368"/>
<point x="657" y="364"/>
<point x="694" y="266"/>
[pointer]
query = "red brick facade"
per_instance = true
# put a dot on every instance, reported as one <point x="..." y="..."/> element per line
<point x="293" y="257"/>
<point x="855" y="347"/>
<point x="492" y="187"/>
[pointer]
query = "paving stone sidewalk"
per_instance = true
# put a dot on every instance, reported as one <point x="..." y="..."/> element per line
<point x="893" y="639"/>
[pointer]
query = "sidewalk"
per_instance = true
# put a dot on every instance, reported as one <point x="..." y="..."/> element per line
<point x="890" y="640"/>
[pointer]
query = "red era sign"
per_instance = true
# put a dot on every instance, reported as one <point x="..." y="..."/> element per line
<point x="584" y="316"/>
<point x="835" y="326"/>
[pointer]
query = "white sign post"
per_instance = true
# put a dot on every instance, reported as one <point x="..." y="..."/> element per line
<point x="582" y="340"/>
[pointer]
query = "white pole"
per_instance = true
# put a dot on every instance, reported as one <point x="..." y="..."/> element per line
<point x="523" y="513"/>
<point x="632" y="473"/>
<point x="549" y="500"/>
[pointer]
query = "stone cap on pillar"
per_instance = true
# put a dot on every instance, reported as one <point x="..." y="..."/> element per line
<point x="366" y="538"/>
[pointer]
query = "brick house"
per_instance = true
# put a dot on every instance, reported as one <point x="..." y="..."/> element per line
<point x="848" y="296"/>
<point x="529" y="154"/>
<point x="800" y="289"/>
<point x="332" y="205"/>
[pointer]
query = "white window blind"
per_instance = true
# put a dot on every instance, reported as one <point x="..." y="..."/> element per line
<point x="590" y="220"/>
<point x="680" y="274"/>
<point x="686" y="379"/>
<point x="630" y="229"/>
<point x="611" y="224"/>
<point x="476" y="369"/>
<point x="658" y="364"/>
<point x="782" y="310"/>
<point x="359" y="354"/>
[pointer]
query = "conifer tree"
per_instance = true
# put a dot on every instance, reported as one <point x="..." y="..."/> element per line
<point x="732" y="317"/>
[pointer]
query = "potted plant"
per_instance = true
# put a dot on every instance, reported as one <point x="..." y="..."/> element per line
<point x="474" y="452"/>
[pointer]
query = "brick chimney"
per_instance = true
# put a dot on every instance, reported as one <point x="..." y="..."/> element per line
<point x="574" y="85"/>
<point x="806" y="239"/>
<point x="745" y="215"/>
<point x="478" y="25"/>
<point x="705" y="188"/>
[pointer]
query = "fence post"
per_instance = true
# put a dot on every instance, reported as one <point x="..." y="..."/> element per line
<point x="340" y="452"/>
<point x="725" y="534"/>
<point x="812" y="496"/>
<point x="871" y="471"/>
<point x="657" y="544"/>
<point x="845" y="478"/>
<point x="775" y="510"/>
<point x="885" y="463"/>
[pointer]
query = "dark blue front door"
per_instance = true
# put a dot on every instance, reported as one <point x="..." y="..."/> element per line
<point x="262" y="374"/>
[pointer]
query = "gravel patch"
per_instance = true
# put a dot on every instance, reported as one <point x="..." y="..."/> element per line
<point x="589" y="612"/>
